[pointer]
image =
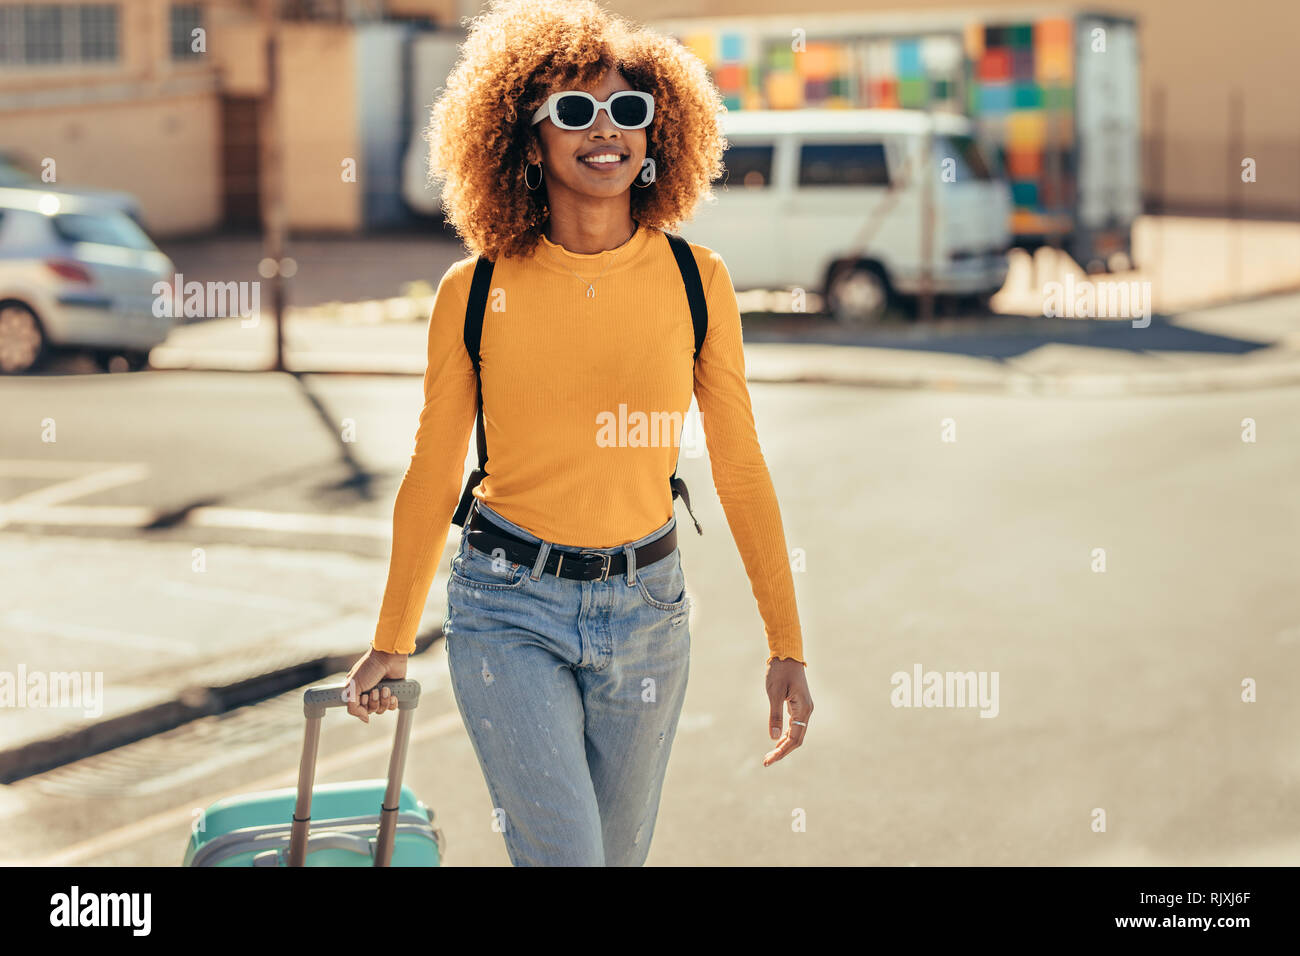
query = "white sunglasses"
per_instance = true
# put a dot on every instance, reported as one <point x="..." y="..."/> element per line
<point x="628" y="109"/>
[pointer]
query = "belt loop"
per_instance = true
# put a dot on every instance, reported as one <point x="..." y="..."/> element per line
<point x="543" y="550"/>
<point x="630" y="553"/>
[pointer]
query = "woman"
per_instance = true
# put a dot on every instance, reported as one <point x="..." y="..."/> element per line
<point x="567" y="628"/>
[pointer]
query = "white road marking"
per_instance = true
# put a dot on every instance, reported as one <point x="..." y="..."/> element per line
<point x="133" y="516"/>
<point x="42" y="468"/>
<point x="228" y="596"/>
<point x="26" y="621"/>
<point x="45" y="506"/>
<point x="91" y="516"/>
<point x="76" y="487"/>
<point x="180" y="817"/>
<point x="211" y="517"/>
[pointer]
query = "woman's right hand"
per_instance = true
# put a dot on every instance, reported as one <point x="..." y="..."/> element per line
<point x="366" y="673"/>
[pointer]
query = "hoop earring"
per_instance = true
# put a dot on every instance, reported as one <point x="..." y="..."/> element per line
<point x="653" y="176"/>
<point x="539" y="176"/>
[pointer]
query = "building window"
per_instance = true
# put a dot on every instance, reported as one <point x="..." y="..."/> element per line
<point x="843" y="164"/>
<point x="45" y="34"/>
<point x="98" y="32"/>
<point x="186" y="18"/>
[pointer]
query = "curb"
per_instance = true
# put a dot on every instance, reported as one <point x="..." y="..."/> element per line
<point x="989" y="376"/>
<point x="1081" y="384"/>
<point x="191" y="703"/>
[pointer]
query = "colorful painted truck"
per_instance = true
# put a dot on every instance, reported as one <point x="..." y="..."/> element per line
<point x="1053" y="94"/>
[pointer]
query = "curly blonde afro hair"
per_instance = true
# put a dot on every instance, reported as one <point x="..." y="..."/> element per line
<point x="516" y="52"/>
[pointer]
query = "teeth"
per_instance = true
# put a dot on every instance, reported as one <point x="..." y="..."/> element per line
<point x="602" y="158"/>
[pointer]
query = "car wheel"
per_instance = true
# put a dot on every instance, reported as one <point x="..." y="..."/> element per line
<point x="857" y="295"/>
<point x="22" y="340"/>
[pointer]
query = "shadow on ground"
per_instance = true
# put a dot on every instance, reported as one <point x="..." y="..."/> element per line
<point x="995" y="337"/>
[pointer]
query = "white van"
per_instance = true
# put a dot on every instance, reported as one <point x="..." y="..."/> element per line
<point x="831" y="201"/>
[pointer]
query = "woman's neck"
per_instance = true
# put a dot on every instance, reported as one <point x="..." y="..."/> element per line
<point x="590" y="230"/>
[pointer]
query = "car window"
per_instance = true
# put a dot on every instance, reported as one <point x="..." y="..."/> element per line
<point x="746" y="166"/>
<point x="843" y="164"/>
<point x="13" y="176"/>
<point x="110" y="229"/>
<point x="971" y="162"/>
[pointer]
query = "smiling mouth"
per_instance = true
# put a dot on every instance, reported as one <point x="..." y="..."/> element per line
<point x="603" y="160"/>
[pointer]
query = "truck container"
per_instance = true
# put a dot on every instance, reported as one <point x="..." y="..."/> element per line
<point x="1053" y="94"/>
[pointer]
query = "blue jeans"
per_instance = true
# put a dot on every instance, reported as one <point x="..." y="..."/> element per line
<point x="570" y="692"/>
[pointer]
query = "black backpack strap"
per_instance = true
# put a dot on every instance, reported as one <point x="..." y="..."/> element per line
<point x="700" y="322"/>
<point x="475" y="306"/>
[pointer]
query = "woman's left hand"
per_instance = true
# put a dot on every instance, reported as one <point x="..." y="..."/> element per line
<point x="787" y="683"/>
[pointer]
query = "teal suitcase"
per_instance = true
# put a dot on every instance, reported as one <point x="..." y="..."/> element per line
<point x="357" y="823"/>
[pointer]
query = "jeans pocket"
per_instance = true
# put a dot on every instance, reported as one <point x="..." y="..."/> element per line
<point x="662" y="584"/>
<point x="473" y="568"/>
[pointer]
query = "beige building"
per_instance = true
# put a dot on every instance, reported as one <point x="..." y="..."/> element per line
<point x="127" y="95"/>
<point x="161" y="99"/>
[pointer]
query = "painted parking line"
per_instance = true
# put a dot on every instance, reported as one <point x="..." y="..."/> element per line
<point x="89" y="516"/>
<point x="213" y="517"/>
<point x="76" y="479"/>
<point x="241" y="519"/>
<point x="92" y="479"/>
<point x="228" y="597"/>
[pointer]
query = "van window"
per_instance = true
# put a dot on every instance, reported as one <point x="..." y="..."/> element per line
<point x="843" y="164"/>
<point x="746" y="166"/>
<point x="971" y="163"/>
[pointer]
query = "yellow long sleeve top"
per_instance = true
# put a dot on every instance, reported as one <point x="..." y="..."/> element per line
<point x="556" y="364"/>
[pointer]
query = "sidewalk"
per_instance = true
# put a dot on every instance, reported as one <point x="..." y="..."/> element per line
<point x="254" y="621"/>
<point x="1253" y="344"/>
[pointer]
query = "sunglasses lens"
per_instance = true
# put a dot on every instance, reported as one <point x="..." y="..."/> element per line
<point x="574" y="111"/>
<point x="629" y="111"/>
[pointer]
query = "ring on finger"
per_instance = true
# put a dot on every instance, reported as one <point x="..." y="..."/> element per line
<point x="799" y="722"/>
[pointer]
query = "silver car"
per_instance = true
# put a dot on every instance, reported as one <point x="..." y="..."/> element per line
<point x="76" y="274"/>
<point x="18" y="173"/>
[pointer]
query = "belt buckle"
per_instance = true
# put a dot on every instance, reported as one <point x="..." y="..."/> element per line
<point x="605" y="563"/>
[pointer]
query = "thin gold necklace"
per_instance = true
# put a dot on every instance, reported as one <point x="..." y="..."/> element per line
<point x="591" y="283"/>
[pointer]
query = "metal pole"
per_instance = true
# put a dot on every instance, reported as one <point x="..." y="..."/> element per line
<point x="273" y="207"/>
<point x="1157" y="266"/>
<point x="1235" y="190"/>
<point x="926" y="311"/>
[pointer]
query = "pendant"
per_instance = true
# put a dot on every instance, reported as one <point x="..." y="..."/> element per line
<point x="591" y="292"/>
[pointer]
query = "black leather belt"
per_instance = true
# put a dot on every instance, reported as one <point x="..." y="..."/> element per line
<point x="582" y="566"/>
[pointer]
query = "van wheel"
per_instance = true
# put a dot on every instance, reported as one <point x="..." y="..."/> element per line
<point x="857" y="295"/>
<point x="22" y="340"/>
<point x="123" y="361"/>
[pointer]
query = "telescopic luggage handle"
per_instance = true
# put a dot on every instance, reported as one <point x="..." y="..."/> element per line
<point x="315" y="702"/>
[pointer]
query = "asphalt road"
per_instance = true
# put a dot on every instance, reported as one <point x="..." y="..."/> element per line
<point x="1117" y="690"/>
